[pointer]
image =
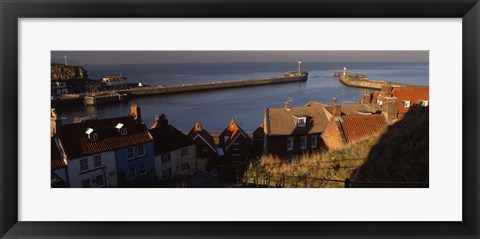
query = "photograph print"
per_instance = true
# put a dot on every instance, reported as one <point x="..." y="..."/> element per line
<point x="239" y="119"/>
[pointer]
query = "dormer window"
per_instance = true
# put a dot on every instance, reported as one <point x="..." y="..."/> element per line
<point x="121" y="129"/>
<point x="300" y="121"/>
<point x="91" y="134"/>
<point x="424" y="103"/>
<point x="406" y="103"/>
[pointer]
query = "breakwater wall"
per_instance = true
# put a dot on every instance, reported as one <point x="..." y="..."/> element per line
<point x="159" y="90"/>
<point x="362" y="81"/>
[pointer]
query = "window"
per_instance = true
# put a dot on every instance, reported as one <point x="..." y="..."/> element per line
<point x="143" y="169"/>
<point x="303" y="142"/>
<point x="167" y="174"/>
<point x="314" y="142"/>
<point x="301" y="121"/>
<point x="123" y="131"/>
<point x="131" y="172"/>
<point x="289" y="143"/>
<point x="406" y="103"/>
<point x="184" y="152"/>
<point x="204" y="149"/>
<point x="166" y="158"/>
<point x="225" y="138"/>
<point x="141" y="150"/>
<point x="83" y="165"/>
<point x="424" y="103"/>
<point x="86" y="183"/>
<point x="131" y="153"/>
<point x="99" y="182"/>
<point x="185" y="166"/>
<point x="97" y="161"/>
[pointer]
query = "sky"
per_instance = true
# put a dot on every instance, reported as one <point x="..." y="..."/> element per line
<point x="175" y="57"/>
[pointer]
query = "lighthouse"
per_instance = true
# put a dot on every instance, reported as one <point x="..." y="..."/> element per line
<point x="299" y="66"/>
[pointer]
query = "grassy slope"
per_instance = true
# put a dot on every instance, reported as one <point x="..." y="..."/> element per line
<point x="400" y="154"/>
<point x="337" y="165"/>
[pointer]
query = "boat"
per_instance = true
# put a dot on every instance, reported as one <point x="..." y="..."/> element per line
<point x="114" y="80"/>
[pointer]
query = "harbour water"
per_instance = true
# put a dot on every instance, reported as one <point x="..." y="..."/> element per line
<point x="216" y="108"/>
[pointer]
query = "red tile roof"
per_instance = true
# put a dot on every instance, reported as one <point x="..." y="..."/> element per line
<point x="56" y="158"/>
<point x="414" y="95"/>
<point x="76" y="143"/>
<point x="232" y="131"/>
<point x="357" y="127"/>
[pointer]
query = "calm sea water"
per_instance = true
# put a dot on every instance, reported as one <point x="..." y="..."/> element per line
<point x="215" y="109"/>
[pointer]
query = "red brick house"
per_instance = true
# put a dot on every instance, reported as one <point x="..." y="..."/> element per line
<point x="206" y="147"/>
<point x="398" y="100"/>
<point x="292" y="131"/>
<point x="235" y="142"/>
<point x="349" y="123"/>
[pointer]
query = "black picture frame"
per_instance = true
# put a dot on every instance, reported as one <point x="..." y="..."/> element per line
<point x="12" y="10"/>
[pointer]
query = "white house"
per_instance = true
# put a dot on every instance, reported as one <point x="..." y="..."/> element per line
<point x="93" y="171"/>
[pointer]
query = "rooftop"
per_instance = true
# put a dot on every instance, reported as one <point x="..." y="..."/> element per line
<point x="357" y="127"/>
<point x="77" y="144"/>
<point x="167" y="138"/>
<point x="231" y="131"/>
<point x="56" y="157"/>
<point x="279" y="121"/>
<point x="199" y="130"/>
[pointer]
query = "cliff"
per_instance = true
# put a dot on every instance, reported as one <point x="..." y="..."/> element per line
<point x="65" y="72"/>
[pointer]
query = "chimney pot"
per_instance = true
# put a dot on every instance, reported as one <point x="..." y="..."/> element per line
<point x="198" y="126"/>
<point x="135" y="111"/>
<point x="287" y="105"/>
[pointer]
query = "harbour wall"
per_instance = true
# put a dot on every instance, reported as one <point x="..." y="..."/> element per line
<point x="351" y="79"/>
<point x="160" y="90"/>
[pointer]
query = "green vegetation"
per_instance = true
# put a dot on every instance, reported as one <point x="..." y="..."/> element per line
<point x="309" y="169"/>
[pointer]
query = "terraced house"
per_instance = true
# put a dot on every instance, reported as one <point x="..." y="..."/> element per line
<point x="206" y="147"/>
<point x="112" y="152"/>
<point x="235" y="142"/>
<point x="291" y="131"/>
<point x="175" y="153"/>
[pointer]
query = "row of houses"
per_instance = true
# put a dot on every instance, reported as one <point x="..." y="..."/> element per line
<point x="291" y="131"/>
<point x="123" y="151"/>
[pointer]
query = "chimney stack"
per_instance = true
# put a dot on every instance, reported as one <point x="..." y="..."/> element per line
<point x="135" y="112"/>
<point x="55" y="124"/>
<point x="161" y="120"/>
<point x="198" y="127"/>
<point x="366" y="97"/>
<point x="390" y="108"/>
<point x="387" y="90"/>
<point x="336" y="109"/>
<point x="287" y="105"/>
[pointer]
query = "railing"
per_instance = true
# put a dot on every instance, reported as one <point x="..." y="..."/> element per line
<point x="289" y="181"/>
